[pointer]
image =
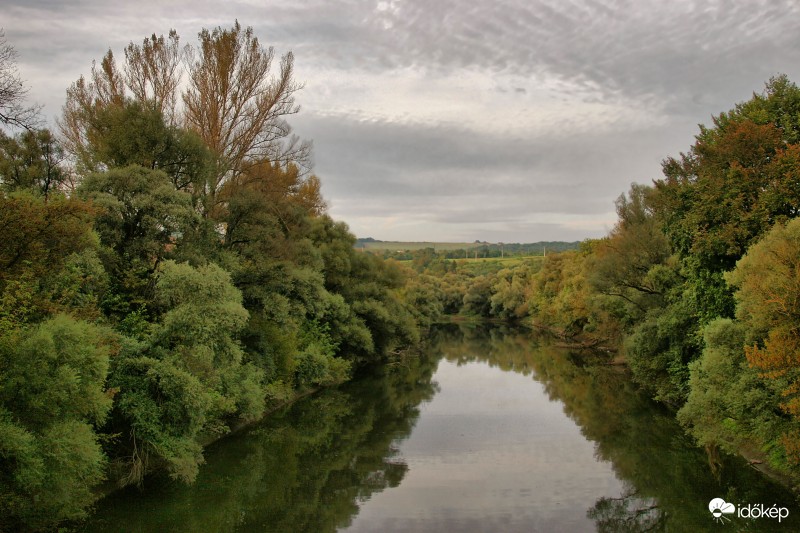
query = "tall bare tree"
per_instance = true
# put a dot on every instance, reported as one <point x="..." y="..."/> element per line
<point x="152" y="71"/>
<point x="238" y="107"/>
<point x="13" y="110"/>
<point x="234" y="101"/>
<point x="105" y="87"/>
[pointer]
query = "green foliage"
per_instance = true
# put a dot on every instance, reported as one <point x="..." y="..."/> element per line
<point x="163" y="408"/>
<point x="768" y="305"/>
<point x="142" y="211"/>
<point x="659" y="349"/>
<point x="316" y="364"/>
<point x="200" y="327"/>
<point x="622" y="265"/>
<point x="724" y="396"/>
<point x="734" y="183"/>
<point x="31" y="162"/>
<point x="47" y="476"/>
<point x="560" y="294"/>
<point x="370" y="288"/>
<point x="142" y="217"/>
<point x="314" y="368"/>
<point x="189" y="375"/>
<point x="56" y="371"/>
<point x="425" y="299"/>
<point x="767" y="281"/>
<point x="219" y="282"/>
<point x="52" y="389"/>
<point x="478" y="297"/>
<point x="511" y="291"/>
<point x="135" y="134"/>
<point x="333" y="447"/>
<point x="79" y="287"/>
<point x="38" y="236"/>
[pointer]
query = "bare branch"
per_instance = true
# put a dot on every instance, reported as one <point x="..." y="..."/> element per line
<point x="13" y="111"/>
<point x="152" y="72"/>
<point x="237" y="107"/>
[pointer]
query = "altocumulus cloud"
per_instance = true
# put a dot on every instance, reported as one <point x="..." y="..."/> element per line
<point x="511" y="120"/>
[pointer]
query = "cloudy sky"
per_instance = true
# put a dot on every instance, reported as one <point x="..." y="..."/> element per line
<point x="456" y="120"/>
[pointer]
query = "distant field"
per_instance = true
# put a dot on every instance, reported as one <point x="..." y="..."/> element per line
<point x="504" y="260"/>
<point x="484" y="265"/>
<point x="398" y="245"/>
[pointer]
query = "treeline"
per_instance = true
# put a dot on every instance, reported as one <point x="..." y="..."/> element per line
<point x="698" y="283"/>
<point x="167" y="270"/>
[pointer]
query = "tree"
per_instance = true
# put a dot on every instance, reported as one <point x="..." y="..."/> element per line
<point x="32" y="161"/>
<point x="187" y="376"/>
<point x="142" y="211"/>
<point x="104" y="88"/>
<point x="237" y="108"/>
<point x="280" y="185"/>
<point x="233" y="103"/>
<point x="13" y="111"/>
<point x="768" y="303"/>
<point x="204" y="315"/>
<point x="152" y="72"/>
<point x="712" y="196"/>
<point x="726" y="404"/>
<point x="478" y="297"/>
<point x="738" y="179"/>
<point x="135" y="133"/>
<point x="373" y="320"/>
<point x="142" y="218"/>
<point x="622" y="262"/>
<point x="52" y="392"/>
<point x="661" y="346"/>
<point x="39" y="236"/>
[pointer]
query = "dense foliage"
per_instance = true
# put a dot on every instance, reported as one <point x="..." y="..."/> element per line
<point x="162" y="280"/>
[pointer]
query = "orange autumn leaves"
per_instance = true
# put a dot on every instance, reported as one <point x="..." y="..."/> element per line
<point x="768" y="301"/>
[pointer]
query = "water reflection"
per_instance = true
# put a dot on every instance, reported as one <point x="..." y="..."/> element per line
<point x="304" y="469"/>
<point x="521" y="436"/>
<point x="668" y="481"/>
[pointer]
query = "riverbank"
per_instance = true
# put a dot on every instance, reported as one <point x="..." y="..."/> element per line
<point x="482" y="410"/>
<point x="114" y="483"/>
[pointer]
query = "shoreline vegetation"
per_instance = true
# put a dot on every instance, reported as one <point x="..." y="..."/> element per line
<point x="167" y="275"/>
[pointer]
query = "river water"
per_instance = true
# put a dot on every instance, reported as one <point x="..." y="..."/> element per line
<point x="488" y="430"/>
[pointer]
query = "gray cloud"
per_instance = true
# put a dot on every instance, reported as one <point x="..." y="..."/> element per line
<point x="679" y="52"/>
<point x="644" y="49"/>
<point x="448" y="175"/>
<point x="589" y="95"/>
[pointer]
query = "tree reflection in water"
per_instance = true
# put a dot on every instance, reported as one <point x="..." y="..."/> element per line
<point x="303" y="469"/>
<point x="310" y="467"/>
<point x="628" y="514"/>
<point x="669" y="480"/>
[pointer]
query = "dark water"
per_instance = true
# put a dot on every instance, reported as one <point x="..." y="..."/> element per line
<point x="490" y="430"/>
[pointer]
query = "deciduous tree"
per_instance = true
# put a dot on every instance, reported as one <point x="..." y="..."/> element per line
<point x="234" y="101"/>
<point x="32" y="161"/>
<point x="13" y="109"/>
<point x="153" y="74"/>
<point x="237" y="107"/>
<point x="768" y="303"/>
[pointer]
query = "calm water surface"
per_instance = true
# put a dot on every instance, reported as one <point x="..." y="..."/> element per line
<point x="489" y="430"/>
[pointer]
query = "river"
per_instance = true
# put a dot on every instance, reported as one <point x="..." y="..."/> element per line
<point x="490" y="429"/>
